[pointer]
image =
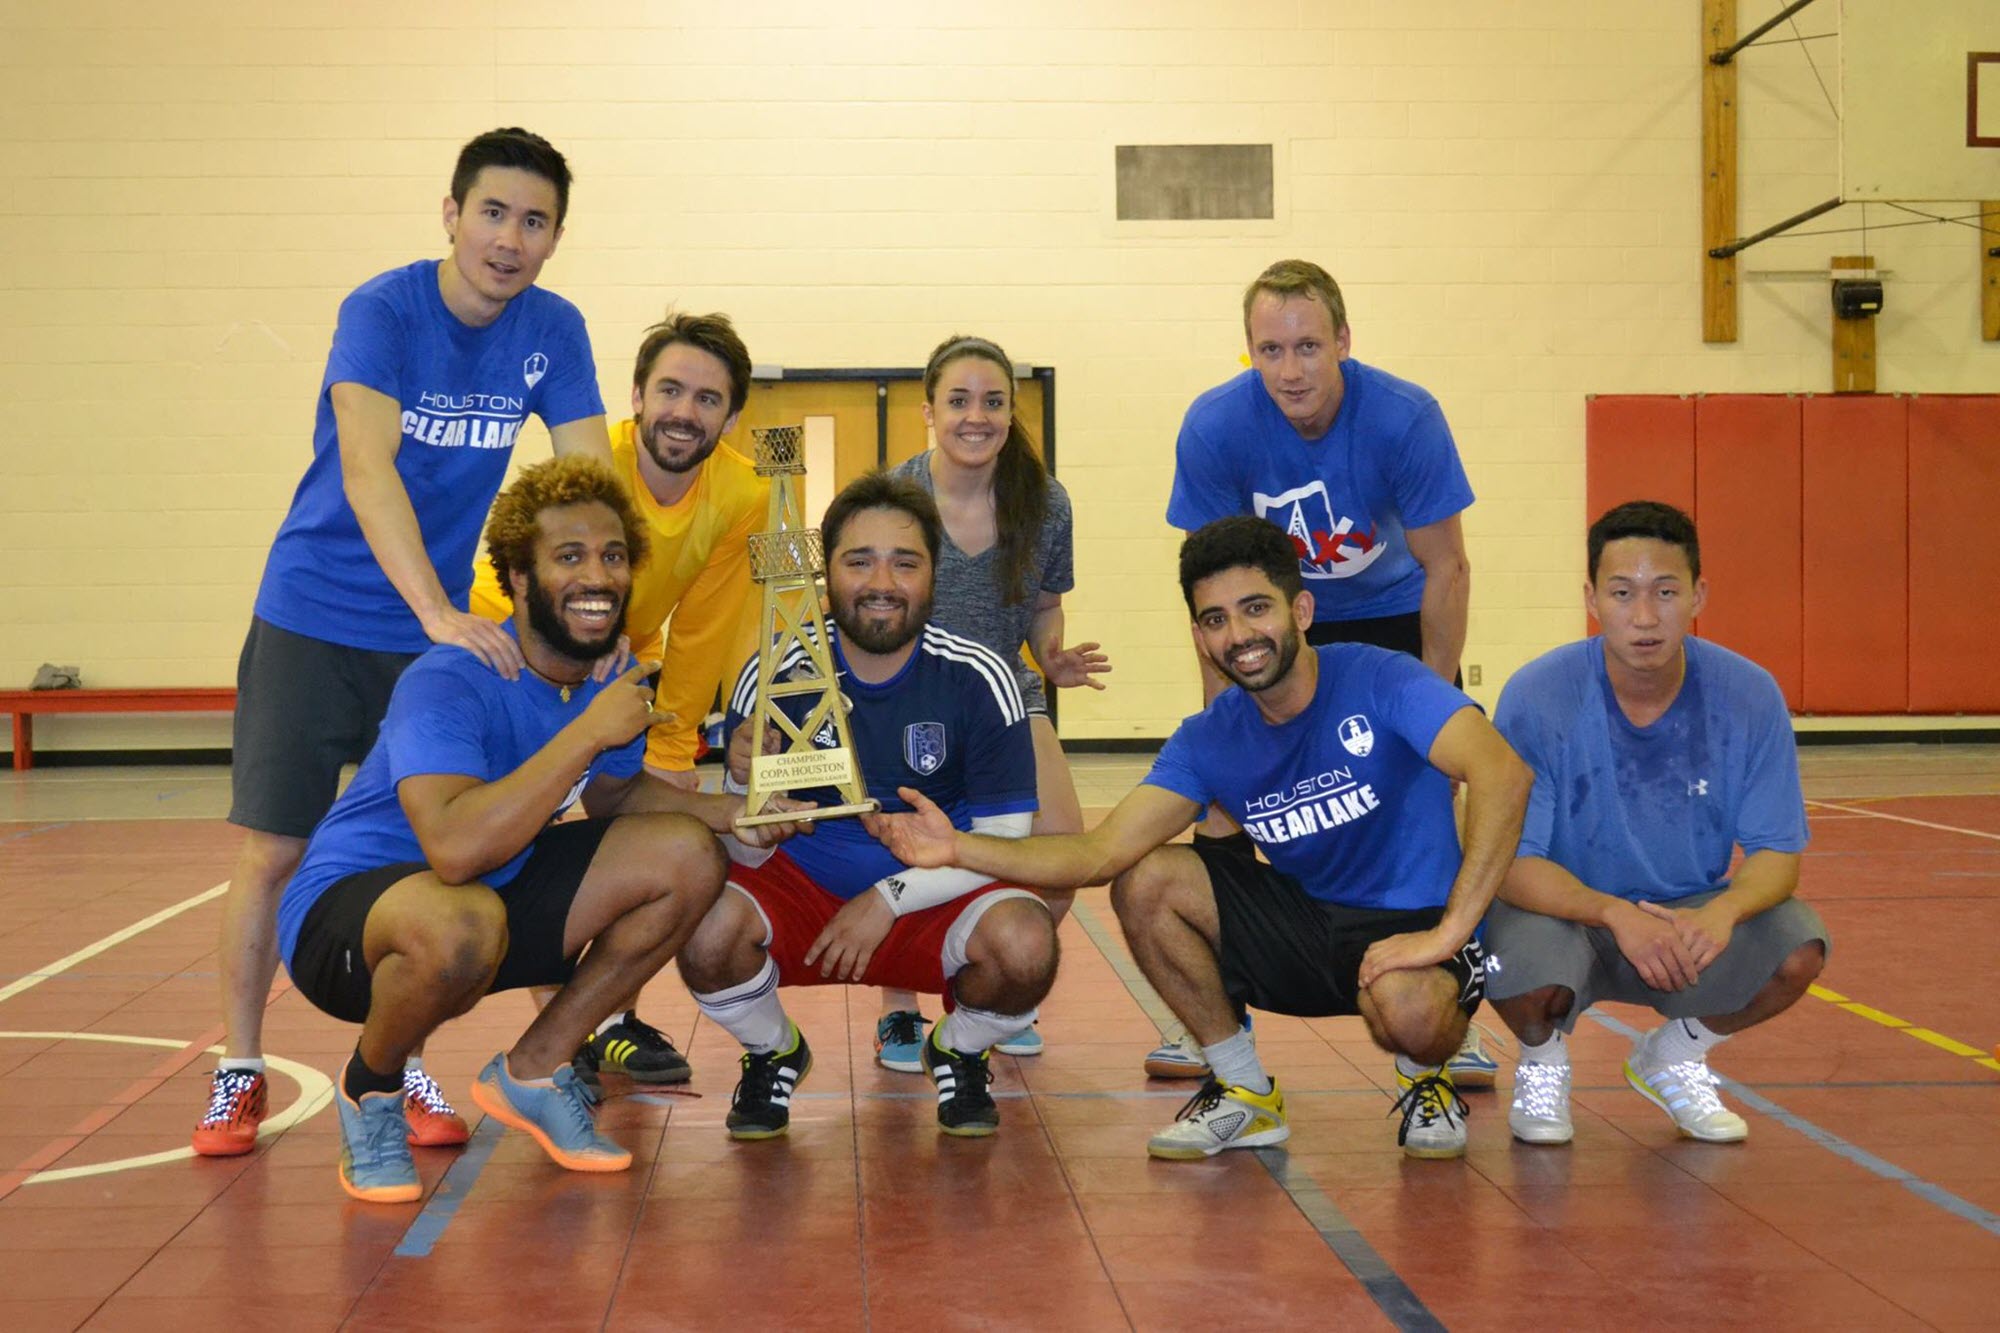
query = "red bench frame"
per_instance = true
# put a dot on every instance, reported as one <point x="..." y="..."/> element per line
<point x="24" y="704"/>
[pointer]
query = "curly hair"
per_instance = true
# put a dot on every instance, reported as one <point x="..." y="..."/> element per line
<point x="515" y="523"/>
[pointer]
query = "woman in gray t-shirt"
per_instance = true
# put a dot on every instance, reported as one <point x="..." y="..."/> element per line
<point x="1001" y="573"/>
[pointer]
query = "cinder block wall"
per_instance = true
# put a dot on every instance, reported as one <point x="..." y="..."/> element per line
<point x="1509" y="195"/>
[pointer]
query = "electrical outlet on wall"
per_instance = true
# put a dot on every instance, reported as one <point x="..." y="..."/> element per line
<point x="1473" y="675"/>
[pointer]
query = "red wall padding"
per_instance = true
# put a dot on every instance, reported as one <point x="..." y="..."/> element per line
<point x="1954" y="509"/>
<point x="1747" y="505"/>
<point x="1637" y="447"/>
<point x="1856" y="554"/>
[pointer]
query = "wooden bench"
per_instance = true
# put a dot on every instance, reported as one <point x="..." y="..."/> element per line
<point x="24" y="704"/>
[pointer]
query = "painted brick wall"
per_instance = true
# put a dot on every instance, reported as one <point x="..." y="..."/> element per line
<point x="1508" y="194"/>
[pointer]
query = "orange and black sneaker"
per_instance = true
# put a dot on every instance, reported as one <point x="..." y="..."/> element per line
<point x="237" y="1102"/>
<point x="433" y="1121"/>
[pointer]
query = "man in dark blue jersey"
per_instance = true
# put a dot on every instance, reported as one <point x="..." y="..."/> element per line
<point x="441" y="875"/>
<point x="929" y="711"/>
<point x="434" y="368"/>
<point x="1338" y="763"/>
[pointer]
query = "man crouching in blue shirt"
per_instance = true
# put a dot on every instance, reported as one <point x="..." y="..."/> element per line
<point x="1338" y="761"/>
<point x="440" y="875"/>
<point x="1655" y="755"/>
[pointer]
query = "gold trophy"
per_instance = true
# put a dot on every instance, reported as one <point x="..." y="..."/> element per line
<point x="788" y="560"/>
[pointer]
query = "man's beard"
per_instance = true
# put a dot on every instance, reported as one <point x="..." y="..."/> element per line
<point x="874" y="636"/>
<point x="545" y="617"/>
<point x="668" y="462"/>
<point x="1286" y="651"/>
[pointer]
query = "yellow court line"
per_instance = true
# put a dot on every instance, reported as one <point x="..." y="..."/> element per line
<point x="1905" y="819"/>
<point x="1895" y="1024"/>
<point x="115" y="938"/>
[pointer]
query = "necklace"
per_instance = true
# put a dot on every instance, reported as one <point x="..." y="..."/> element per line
<point x="562" y="687"/>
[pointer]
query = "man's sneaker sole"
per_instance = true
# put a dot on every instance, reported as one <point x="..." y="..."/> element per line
<point x="232" y="1142"/>
<point x="1262" y="1139"/>
<point x="384" y="1193"/>
<point x="1480" y="1074"/>
<point x="970" y="1131"/>
<point x="1640" y="1086"/>
<point x="491" y="1101"/>
<point x="1542" y="1133"/>
<point x="438" y="1131"/>
<point x="1174" y="1069"/>
<point x="1434" y="1154"/>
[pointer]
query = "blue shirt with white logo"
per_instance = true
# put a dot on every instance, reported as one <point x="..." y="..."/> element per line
<point x="1387" y="464"/>
<point x="1654" y="813"/>
<point x="465" y="393"/>
<point x="450" y="713"/>
<point x="951" y="724"/>
<point x="1342" y="797"/>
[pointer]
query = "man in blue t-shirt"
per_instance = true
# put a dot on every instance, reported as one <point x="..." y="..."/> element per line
<point x="441" y="876"/>
<point x="928" y="712"/>
<point x="1361" y="471"/>
<point x="1656" y="755"/>
<point x="1338" y="762"/>
<point x="433" y="370"/>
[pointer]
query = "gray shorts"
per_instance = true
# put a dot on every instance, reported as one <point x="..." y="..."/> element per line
<point x="1033" y="694"/>
<point x="304" y="709"/>
<point x="1526" y="951"/>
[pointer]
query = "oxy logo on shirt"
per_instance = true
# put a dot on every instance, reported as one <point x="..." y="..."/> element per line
<point x="1329" y="546"/>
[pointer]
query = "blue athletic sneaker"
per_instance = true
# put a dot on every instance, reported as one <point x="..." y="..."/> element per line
<point x="375" y="1163"/>
<point x="1028" y="1041"/>
<point x="563" y="1119"/>
<point x="899" y="1042"/>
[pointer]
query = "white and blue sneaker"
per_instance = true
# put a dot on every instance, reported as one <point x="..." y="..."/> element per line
<point x="1181" y="1057"/>
<point x="899" y="1041"/>
<point x="1686" y="1092"/>
<point x="1028" y="1041"/>
<point x="1472" y="1067"/>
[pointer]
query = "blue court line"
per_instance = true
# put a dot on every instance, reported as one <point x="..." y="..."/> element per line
<point x="1389" y="1292"/>
<point x="1930" y="1193"/>
<point x="451" y="1191"/>
<point x="31" y="832"/>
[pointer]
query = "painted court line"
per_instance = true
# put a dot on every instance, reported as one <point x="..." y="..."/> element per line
<point x="114" y="939"/>
<point x="1929" y="1192"/>
<point x="1895" y="1024"/>
<point x="445" y="1201"/>
<point x="1905" y="819"/>
<point x="1389" y="1292"/>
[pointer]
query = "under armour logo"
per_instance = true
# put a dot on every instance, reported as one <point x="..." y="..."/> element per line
<point x="1699" y="787"/>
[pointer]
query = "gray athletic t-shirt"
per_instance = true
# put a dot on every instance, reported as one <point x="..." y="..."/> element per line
<point x="968" y="599"/>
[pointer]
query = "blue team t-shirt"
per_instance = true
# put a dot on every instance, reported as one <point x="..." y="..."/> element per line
<point x="951" y="724"/>
<point x="450" y="713"/>
<point x="1652" y="813"/>
<point x="465" y="393"/>
<point x="1387" y="464"/>
<point x="1342" y="797"/>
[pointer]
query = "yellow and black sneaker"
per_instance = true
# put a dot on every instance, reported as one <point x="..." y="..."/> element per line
<point x="762" y="1105"/>
<point x="634" y="1048"/>
<point x="1222" y="1115"/>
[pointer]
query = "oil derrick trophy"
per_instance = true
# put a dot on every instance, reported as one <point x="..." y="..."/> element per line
<point x="788" y="561"/>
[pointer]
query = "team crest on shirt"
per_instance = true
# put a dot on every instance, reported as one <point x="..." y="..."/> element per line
<point x="923" y="746"/>
<point x="1356" y="736"/>
<point x="1330" y="545"/>
<point x="534" y="368"/>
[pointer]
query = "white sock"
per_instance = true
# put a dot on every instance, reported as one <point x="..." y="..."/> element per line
<point x="613" y="1021"/>
<point x="970" y="1031"/>
<point x="1554" y="1051"/>
<point x="1234" y="1061"/>
<point x="751" y="1011"/>
<point x="1678" y="1041"/>
<point x="253" y="1064"/>
<point x="1411" y="1070"/>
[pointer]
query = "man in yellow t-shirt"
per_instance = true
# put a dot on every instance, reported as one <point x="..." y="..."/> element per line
<point x="692" y="607"/>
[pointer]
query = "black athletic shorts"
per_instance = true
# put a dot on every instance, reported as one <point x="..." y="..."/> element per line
<point x="1287" y="953"/>
<point x="1399" y="634"/>
<point x="329" y="967"/>
<point x="304" y="708"/>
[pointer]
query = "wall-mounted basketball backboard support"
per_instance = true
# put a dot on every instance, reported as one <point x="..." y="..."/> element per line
<point x="1919" y="100"/>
